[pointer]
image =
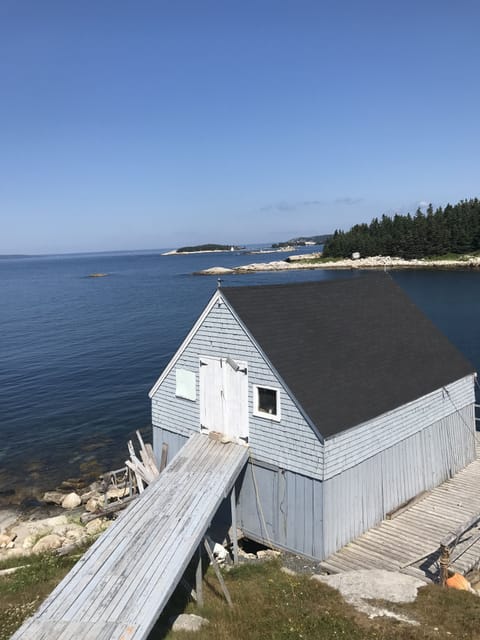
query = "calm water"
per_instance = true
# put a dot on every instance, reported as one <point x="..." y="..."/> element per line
<point x="78" y="355"/>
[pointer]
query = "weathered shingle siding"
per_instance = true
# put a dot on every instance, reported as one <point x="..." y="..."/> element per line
<point x="352" y="447"/>
<point x="361" y="496"/>
<point x="290" y="443"/>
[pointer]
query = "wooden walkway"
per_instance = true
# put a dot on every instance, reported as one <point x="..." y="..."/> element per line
<point x="410" y="541"/>
<point x="121" y="585"/>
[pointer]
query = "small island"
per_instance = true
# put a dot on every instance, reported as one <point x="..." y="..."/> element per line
<point x="447" y="238"/>
<point x="303" y="241"/>
<point x="203" y="248"/>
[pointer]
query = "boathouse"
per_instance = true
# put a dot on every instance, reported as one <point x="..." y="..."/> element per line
<point x="351" y="401"/>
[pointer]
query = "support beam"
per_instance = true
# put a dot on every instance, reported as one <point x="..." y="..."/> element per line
<point x="233" y="507"/>
<point x="218" y="573"/>
<point x="199" y="578"/>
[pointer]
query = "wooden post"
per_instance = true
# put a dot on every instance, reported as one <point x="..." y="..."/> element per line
<point x="199" y="579"/>
<point x="233" y="507"/>
<point x="444" y="564"/>
<point x="218" y="573"/>
<point x="163" y="460"/>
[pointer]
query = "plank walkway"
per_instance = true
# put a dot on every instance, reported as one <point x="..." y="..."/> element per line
<point x="121" y="585"/>
<point x="410" y="541"/>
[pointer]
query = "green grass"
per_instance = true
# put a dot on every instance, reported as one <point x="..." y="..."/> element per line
<point x="268" y="605"/>
<point x="320" y="260"/>
<point x="22" y="591"/>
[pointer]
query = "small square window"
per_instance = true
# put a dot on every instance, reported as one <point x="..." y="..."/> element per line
<point x="267" y="402"/>
<point x="185" y="384"/>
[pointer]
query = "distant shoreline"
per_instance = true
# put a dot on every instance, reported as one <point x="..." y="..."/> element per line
<point x="374" y="262"/>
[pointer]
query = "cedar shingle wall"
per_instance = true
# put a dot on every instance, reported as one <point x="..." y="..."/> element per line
<point x="290" y="444"/>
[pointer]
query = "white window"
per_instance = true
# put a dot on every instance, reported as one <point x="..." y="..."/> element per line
<point x="185" y="384"/>
<point x="266" y="402"/>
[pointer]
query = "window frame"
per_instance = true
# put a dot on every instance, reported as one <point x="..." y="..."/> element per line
<point x="263" y="414"/>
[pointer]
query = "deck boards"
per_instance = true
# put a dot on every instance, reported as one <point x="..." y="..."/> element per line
<point x="120" y="586"/>
<point x="397" y="544"/>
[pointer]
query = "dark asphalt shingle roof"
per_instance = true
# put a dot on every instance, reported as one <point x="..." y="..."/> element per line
<point x="349" y="350"/>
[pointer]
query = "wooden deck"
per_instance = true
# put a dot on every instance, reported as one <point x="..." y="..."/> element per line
<point x="121" y="585"/>
<point x="410" y="541"/>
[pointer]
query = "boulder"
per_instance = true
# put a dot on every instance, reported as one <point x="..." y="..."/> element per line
<point x="48" y="543"/>
<point x="53" y="497"/>
<point x="74" y="532"/>
<point x="5" y="541"/>
<point x="71" y="501"/>
<point x="188" y="622"/>
<point x="29" y="542"/>
<point x="268" y="554"/>
<point x="115" y="493"/>
<point x="94" y="504"/>
<point x="96" y="526"/>
<point x="51" y="523"/>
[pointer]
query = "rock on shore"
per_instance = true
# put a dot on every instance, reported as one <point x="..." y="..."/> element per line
<point x="373" y="262"/>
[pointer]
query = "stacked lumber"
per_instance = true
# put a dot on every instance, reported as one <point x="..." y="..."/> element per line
<point x="144" y="468"/>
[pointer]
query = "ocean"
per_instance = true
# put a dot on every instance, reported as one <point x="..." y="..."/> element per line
<point x="78" y="355"/>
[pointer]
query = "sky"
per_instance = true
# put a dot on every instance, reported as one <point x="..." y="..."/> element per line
<point x="151" y="124"/>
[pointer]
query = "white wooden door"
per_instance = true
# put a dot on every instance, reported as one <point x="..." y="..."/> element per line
<point x="224" y="397"/>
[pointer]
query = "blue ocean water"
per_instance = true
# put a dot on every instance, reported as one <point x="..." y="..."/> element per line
<point x="78" y="355"/>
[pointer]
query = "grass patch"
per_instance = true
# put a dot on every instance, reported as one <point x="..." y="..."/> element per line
<point x="270" y="605"/>
<point x="321" y="260"/>
<point x="22" y="592"/>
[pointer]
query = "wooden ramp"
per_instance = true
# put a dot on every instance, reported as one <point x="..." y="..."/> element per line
<point x="410" y="541"/>
<point x="121" y="585"/>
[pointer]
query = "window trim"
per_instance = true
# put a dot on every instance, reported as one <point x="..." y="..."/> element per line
<point x="262" y="414"/>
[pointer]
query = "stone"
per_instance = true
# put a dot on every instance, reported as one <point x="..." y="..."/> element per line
<point x="93" y="504"/>
<point x="374" y="584"/>
<point x="29" y="542"/>
<point x="73" y="532"/>
<point x="189" y="622"/>
<point x="48" y="543"/>
<point x="71" y="501"/>
<point x="268" y="554"/>
<point x="85" y="497"/>
<point x="288" y="572"/>
<point x="96" y="526"/>
<point x="53" y="497"/>
<point x="53" y="522"/>
<point x="4" y="540"/>
<point x="115" y="493"/>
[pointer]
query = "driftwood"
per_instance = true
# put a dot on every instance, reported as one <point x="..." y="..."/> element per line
<point x="108" y="510"/>
<point x="144" y="469"/>
<point x="134" y="477"/>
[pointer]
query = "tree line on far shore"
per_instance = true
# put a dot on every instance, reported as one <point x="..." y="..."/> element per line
<point x="452" y="229"/>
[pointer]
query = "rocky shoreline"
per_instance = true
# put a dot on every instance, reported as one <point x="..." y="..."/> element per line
<point x="374" y="262"/>
<point x="60" y="521"/>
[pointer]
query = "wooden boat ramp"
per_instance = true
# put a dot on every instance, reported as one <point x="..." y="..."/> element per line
<point x="411" y="541"/>
<point x="121" y="585"/>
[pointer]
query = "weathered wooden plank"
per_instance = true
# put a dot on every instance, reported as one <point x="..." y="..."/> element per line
<point x="416" y="532"/>
<point x="119" y="588"/>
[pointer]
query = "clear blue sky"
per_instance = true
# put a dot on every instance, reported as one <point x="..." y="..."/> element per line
<point x="143" y="124"/>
